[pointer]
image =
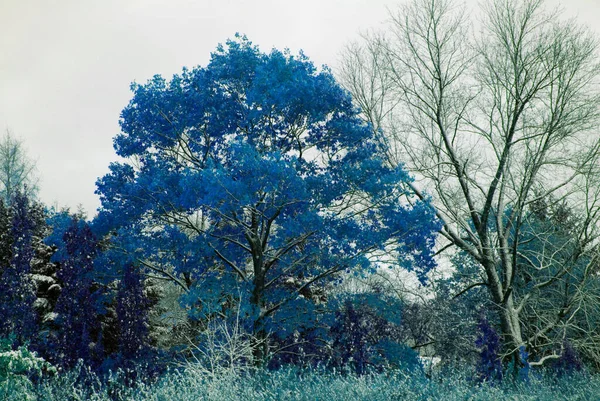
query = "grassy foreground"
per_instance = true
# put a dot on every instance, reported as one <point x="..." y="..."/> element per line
<point x="190" y="385"/>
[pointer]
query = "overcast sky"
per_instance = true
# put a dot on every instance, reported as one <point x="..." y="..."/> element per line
<point x="66" y="65"/>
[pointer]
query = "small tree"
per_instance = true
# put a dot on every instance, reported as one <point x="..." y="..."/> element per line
<point x="79" y="328"/>
<point x="569" y="361"/>
<point x="6" y="239"/>
<point x="17" y="290"/>
<point x="17" y="170"/>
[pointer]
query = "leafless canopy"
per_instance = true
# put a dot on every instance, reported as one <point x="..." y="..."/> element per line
<point x="17" y="170"/>
<point x="493" y="116"/>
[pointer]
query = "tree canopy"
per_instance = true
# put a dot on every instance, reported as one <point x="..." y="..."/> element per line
<point x="255" y="175"/>
<point x="493" y="123"/>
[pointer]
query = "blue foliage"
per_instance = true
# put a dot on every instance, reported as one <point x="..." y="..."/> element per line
<point x="366" y="335"/>
<point x="358" y="333"/>
<point x="131" y="353"/>
<point x="132" y="314"/>
<point x="60" y="223"/>
<point x="79" y="331"/>
<point x="256" y="173"/>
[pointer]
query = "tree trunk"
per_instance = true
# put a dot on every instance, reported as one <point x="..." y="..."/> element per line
<point x="508" y="314"/>
<point x="511" y="331"/>
<point x="259" y="333"/>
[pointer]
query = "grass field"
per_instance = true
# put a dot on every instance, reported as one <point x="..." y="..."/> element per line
<point x="190" y="385"/>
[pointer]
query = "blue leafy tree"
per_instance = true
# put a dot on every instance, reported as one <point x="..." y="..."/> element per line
<point x="79" y="330"/>
<point x="17" y="291"/>
<point x="255" y="175"/>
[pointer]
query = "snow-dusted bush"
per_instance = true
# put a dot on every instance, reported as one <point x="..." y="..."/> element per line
<point x="17" y="366"/>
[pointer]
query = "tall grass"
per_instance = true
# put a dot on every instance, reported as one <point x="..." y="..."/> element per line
<point x="291" y="384"/>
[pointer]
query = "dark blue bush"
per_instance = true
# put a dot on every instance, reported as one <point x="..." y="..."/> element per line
<point x="489" y="366"/>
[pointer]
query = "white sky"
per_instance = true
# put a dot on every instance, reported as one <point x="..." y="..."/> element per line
<point x="66" y="65"/>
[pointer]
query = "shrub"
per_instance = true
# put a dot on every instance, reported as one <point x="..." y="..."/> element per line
<point x="17" y="367"/>
<point x="366" y="335"/>
<point x="569" y="361"/>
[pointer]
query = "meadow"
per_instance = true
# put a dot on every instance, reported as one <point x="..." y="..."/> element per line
<point x="292" y="384"/>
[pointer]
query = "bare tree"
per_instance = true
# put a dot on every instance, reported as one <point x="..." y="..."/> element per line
<point x="491" y="124"/>
<point x="17" y="170"/>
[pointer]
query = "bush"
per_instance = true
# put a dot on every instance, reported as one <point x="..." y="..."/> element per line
<point x="489" y="366"/>
<point x="366" y="335"/>
<point x="17" y="367"/>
